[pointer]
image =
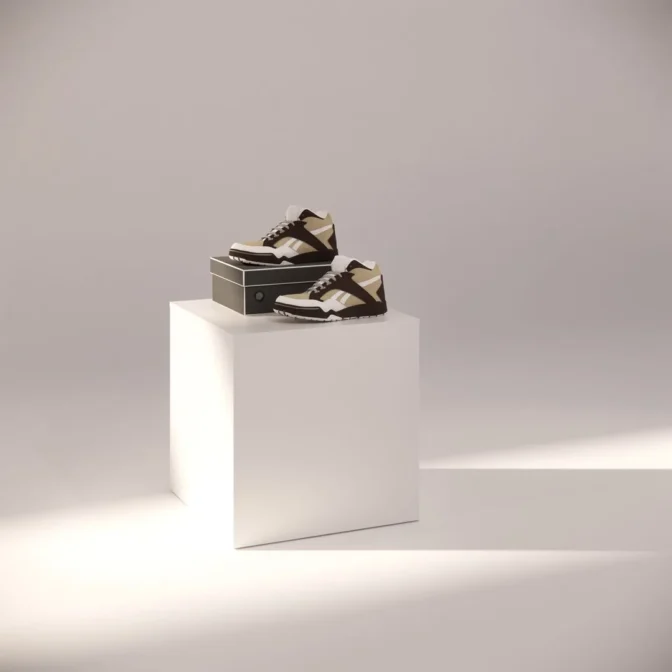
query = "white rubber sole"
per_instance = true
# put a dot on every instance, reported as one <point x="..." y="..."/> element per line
<point x="331" y="318"/>
<point x="284" y="262"/>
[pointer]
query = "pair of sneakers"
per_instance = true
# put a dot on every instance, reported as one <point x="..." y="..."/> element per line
<point x="351" y="289"/>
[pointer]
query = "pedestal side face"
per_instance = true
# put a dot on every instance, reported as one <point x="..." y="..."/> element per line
<point x="201" y="416"/>
<point x="326" y="429"/>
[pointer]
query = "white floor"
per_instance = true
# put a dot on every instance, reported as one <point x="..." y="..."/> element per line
<point x="479" y="583"/>
<point x="543" y="544"/>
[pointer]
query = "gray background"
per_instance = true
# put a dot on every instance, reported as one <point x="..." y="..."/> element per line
<point x="508" y="163"/>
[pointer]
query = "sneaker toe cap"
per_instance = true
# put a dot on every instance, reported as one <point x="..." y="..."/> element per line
<point x="302" y="300"/>
<point x="251" y="246"/>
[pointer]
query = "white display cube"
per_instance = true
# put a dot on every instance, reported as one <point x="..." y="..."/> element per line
<point x="283" y="429"/>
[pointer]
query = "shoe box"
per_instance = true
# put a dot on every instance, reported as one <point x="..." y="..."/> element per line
<point x="251" y="290"/>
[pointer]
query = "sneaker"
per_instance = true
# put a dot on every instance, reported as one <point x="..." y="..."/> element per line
<point x="303" y="237"/>
<point x="351" y="289"/>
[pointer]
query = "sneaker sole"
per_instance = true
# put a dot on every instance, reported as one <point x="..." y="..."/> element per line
<point x="284" y="262"/>
<point x="270" y="260"/>
<point x="331" y="318"/>
<point x="318" y="315"/>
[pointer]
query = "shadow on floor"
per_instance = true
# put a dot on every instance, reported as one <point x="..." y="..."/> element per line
<point x="591" y="510"/>
<point x="606" y="618"/>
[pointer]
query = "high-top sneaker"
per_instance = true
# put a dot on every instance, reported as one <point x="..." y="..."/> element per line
<point x="303" y="237"/>
<point x="351" y="289"/>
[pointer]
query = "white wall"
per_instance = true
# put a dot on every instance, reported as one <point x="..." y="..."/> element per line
<point x="507" y="162"/>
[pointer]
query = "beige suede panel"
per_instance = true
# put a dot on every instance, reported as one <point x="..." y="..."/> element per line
<point x="310" y="223"/>
<point x="353" y="301"/>
<point x="302" y="295"/>
<point x="373" y="288"/>
<point x="304" y="247"/>
<point x="363" y="274"/>
<point x="330" y="293"/>
<point x="313" y="223"/>
<point x="287" y="240"/>
<point x="281" y="241"/>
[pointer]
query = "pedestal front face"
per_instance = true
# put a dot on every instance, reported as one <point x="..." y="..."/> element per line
<point x="323" y="419"/>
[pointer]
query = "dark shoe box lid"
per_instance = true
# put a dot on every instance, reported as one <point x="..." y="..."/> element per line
<point x="252" y="290"/>
<point x="247" y="275"/>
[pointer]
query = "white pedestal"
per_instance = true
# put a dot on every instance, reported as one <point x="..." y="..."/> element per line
<point x="283" y="429"/>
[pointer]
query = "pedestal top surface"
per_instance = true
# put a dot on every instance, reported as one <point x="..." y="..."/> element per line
<point x="235" y="323"/>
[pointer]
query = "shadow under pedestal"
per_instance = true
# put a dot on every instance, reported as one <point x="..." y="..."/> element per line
<point x="572" y="510"/>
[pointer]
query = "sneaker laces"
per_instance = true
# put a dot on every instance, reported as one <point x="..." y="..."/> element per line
<point x="277" y="229"/>
<point x="326" y="279"/>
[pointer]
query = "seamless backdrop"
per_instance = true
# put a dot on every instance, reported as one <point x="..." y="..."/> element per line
<point x="508" y="163"/>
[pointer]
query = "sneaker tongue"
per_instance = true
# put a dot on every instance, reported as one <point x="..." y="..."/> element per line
<point x="296" y="212"/>
<point x="340" y="264"/>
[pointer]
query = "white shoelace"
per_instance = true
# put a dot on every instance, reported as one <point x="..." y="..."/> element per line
<point x="277" y="229"/>
<point x="325" y="280"/>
